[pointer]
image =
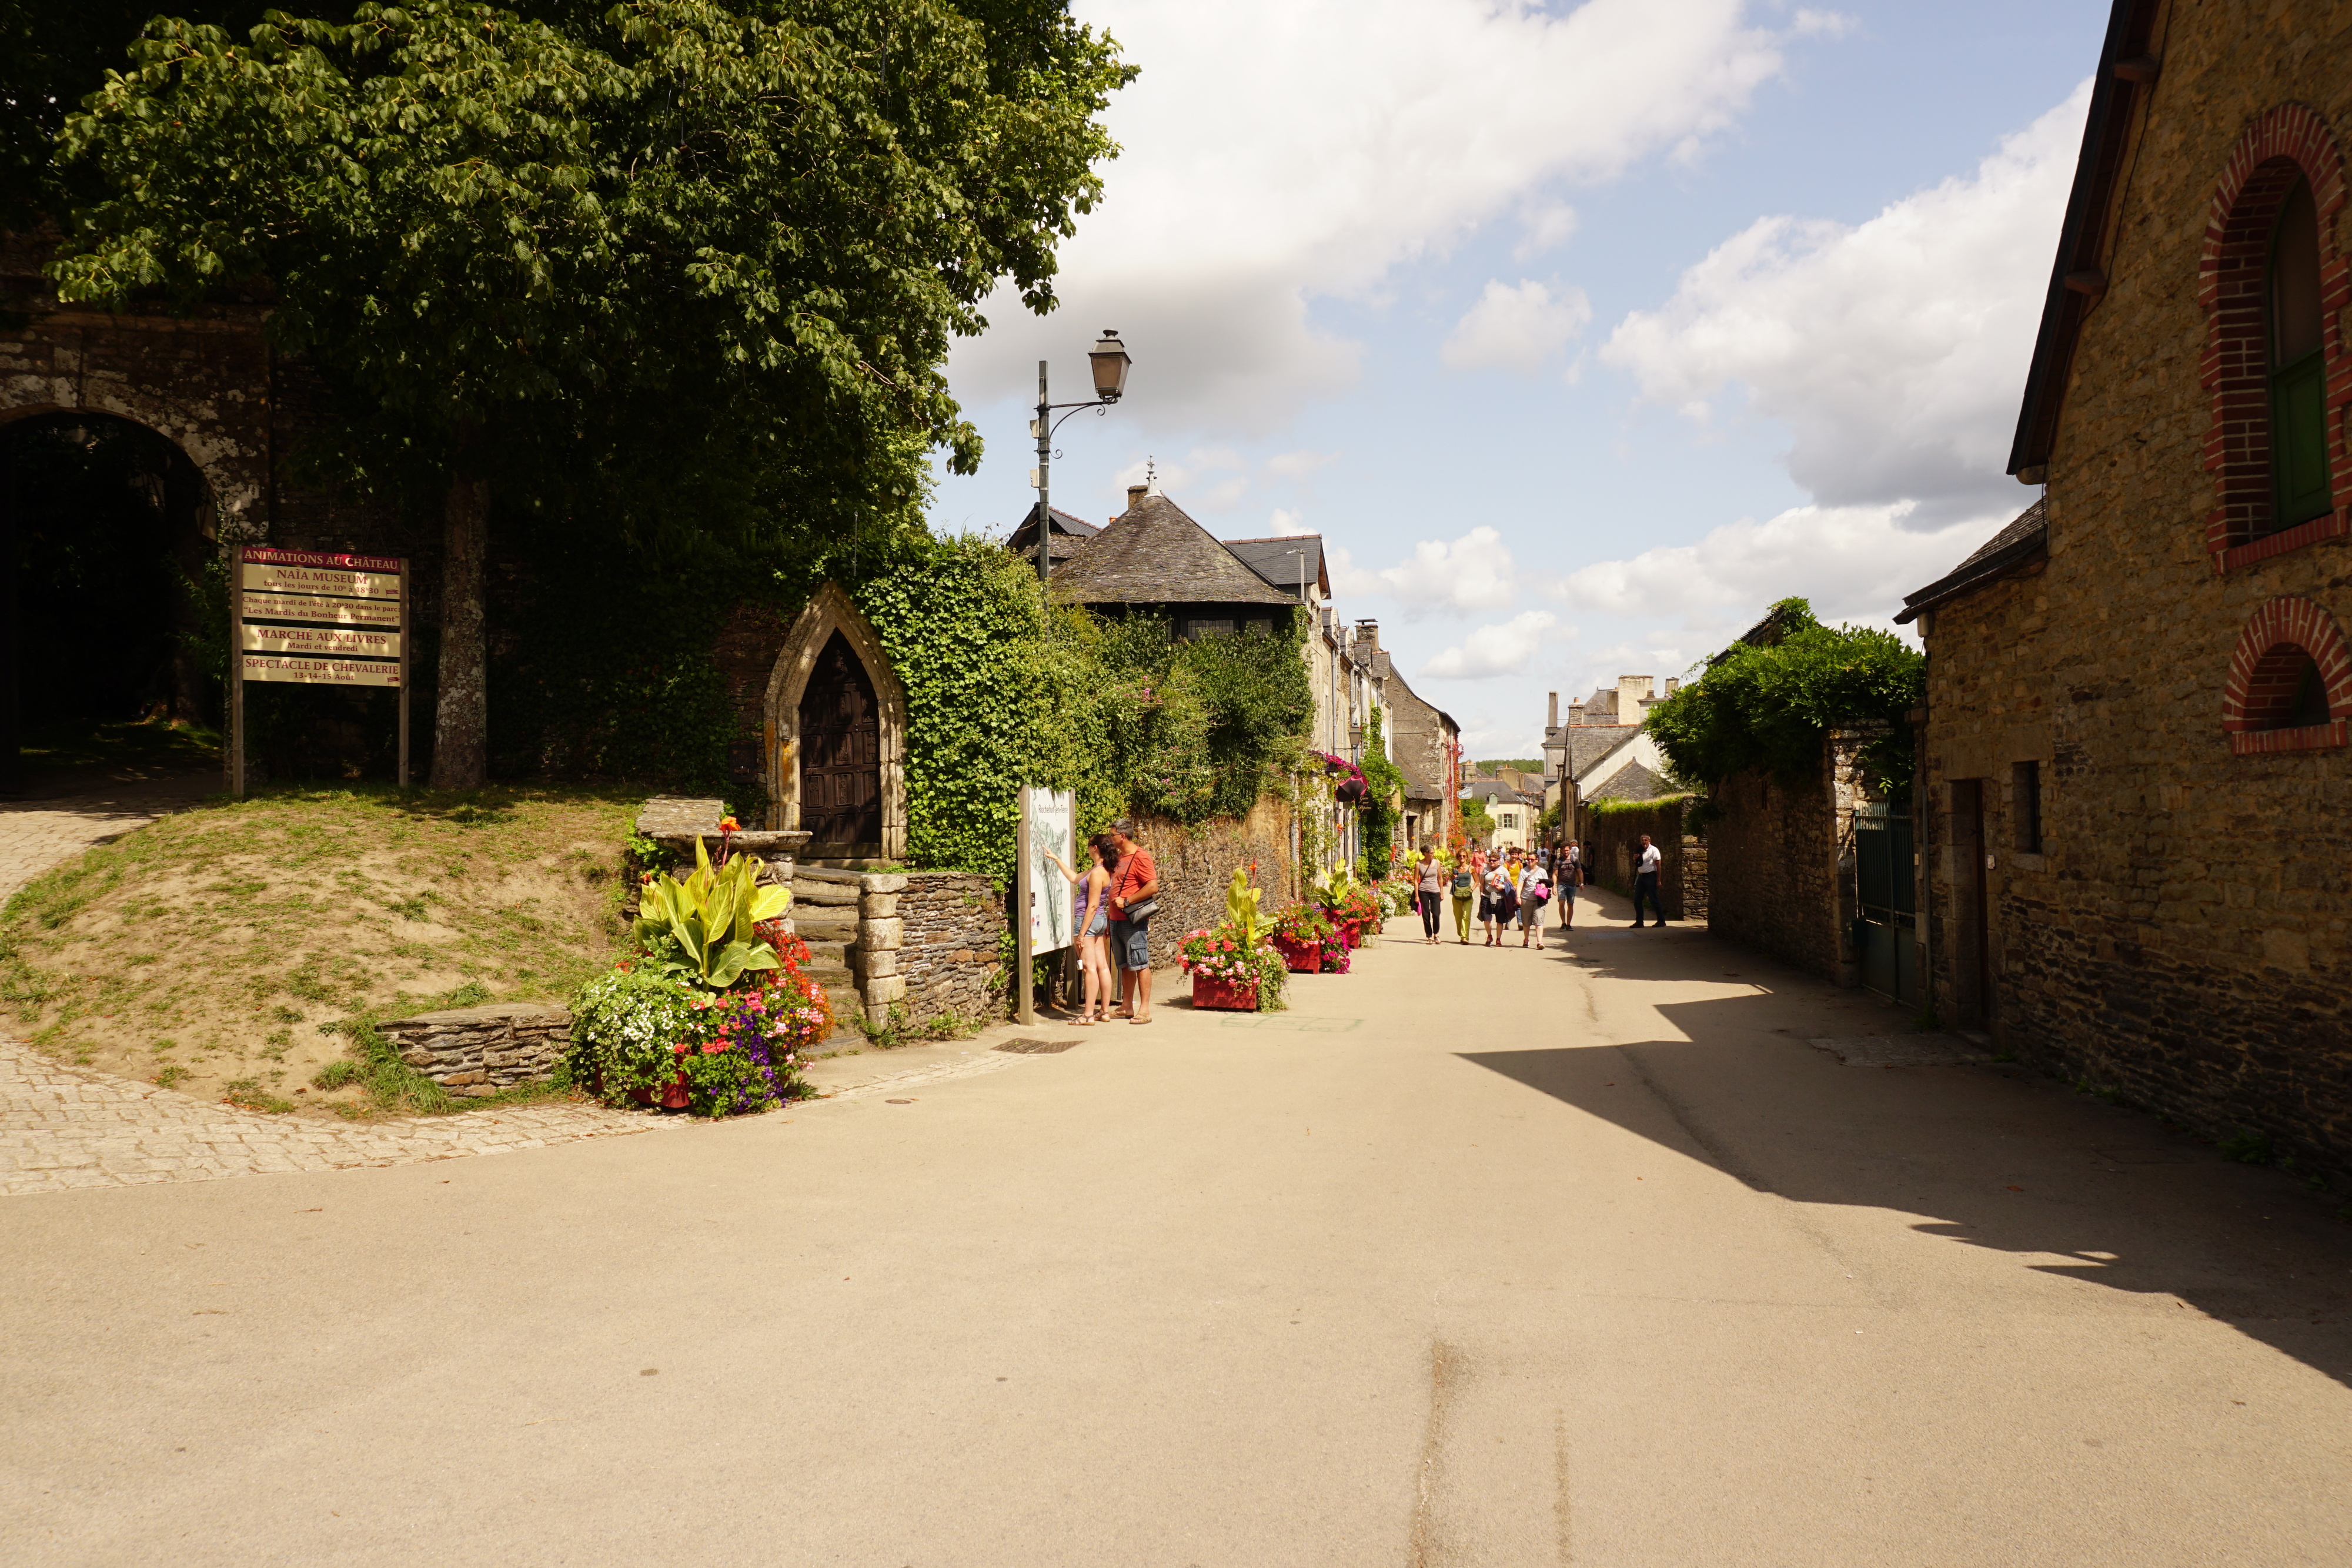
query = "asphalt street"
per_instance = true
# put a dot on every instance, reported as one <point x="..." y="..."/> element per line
<point x="1470" y="1257"/>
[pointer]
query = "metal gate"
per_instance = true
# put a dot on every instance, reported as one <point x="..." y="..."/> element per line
<point x="1886" y="933"/>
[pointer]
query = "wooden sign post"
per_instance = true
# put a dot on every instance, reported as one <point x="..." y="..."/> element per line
<point x="316" y="620"/>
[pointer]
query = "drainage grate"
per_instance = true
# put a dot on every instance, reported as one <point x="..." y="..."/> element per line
<point x="1036" y="1047"/>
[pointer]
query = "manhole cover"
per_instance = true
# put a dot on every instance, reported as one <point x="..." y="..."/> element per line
<point x="1036" y="1047"/>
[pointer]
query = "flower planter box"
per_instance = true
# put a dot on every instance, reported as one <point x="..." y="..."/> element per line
<point x="1225" y="995"/>
<point x="1300" y="957"/>
<point x="1351" y="933"/>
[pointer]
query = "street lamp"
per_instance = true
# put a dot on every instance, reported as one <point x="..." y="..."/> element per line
<point x="1108" y="360"/>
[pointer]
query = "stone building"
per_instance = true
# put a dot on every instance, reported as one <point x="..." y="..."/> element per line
<point x="2134" y="764"/>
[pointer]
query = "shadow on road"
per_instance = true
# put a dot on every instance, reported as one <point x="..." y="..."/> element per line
<point x="1993" y="1157"/>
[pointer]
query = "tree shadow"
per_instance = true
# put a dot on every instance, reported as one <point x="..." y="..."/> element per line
<point x="1993" y="1156"/>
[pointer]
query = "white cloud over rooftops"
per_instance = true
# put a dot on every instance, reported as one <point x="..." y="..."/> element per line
<point x="1503" y="649"/>
<point x="1472" y="572"/>
<point x="1894" y="350"/>
<point x="1516" y="327"/>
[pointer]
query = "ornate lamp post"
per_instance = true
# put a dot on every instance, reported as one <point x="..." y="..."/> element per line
<point x="1109" y="362"/>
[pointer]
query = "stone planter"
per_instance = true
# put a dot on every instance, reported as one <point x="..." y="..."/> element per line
<point x="1223" y="996"/>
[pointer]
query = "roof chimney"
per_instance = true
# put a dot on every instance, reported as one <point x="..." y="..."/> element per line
<point x="1632" y="691"/>
<point x="1552" y="717"/>
<point x="1135" y="493"/>
<point x="1674" y="685"/>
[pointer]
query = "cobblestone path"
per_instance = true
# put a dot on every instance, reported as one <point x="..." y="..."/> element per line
<point x="37" y="834"/>
<point x="65" y="1127"/>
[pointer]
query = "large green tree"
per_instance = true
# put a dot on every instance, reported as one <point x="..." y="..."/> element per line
<point x="668" y="265"/>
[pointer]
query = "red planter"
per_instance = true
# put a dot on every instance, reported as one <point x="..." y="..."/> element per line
<point x="1300" y="957"/>
<point x="1224" y="996"/>
<point x="673" y="1094"/>
<point x="1351" y="932"/>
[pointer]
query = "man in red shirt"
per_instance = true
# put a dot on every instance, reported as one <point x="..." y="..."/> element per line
<point x="1137" y="880"/>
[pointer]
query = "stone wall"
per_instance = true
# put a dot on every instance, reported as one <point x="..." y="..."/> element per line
<point x="473" y="1051"/>
<point x="950" y="925"/>
<point x="1780" y="861"/>
<point x="1614" y="846"/>
<point x="1196" y="865"/>
<point x="2184" y="935"/>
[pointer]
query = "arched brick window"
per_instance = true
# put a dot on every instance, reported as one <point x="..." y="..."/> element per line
<point x="2272" y="284"/>
<point x="2290" y="686"/>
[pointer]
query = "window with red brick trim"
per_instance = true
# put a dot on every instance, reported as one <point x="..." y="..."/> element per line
<point x="2274" y="285"/>
<point x="2290" y="686"/>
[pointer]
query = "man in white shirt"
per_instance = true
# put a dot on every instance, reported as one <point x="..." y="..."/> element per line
<point x="1646" y="883"/>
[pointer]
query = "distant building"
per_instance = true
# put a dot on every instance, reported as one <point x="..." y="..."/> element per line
<point x="1070" y="535"/>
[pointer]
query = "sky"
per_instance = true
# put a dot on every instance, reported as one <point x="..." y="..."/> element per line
<point x="1582" y="333"/>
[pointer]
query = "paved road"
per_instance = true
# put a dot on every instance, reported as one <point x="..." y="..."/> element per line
<point x="1472" y="1257"/>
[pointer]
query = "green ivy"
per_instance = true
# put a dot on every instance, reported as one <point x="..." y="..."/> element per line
<point x="1768" y="707"/>
<point x="1378" y="815"/>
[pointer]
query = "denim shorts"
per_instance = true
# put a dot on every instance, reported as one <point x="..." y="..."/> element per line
<point x="1099" y="925"/>
<point x="1131" y="942"/>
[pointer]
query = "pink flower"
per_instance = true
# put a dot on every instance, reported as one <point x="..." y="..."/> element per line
<point x="715" y="1047"/>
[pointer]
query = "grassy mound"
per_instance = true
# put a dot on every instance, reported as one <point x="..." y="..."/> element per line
<point x="245" y="950"/>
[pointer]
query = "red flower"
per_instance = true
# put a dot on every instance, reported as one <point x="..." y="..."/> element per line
<point x="729" y="825"/>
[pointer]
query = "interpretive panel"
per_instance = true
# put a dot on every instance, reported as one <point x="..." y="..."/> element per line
<point x="318" y="607"/>
<point x="322" y="641"/>
<point x="321" y="671"/>
<point x="308" y="571"/>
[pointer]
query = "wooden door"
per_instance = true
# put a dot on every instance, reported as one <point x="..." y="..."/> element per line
<point x="840" y="750"/>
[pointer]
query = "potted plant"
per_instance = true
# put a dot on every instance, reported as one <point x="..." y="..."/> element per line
<point x="714" y="1014"/>
<point x="1235" y="966"/>
<point x="1302" y="933"/>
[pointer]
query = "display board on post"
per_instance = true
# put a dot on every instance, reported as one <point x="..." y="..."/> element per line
<point x="316" y="620"/>
<point x="1049" y="819"/>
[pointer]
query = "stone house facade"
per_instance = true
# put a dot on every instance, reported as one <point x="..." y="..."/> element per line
<point x="2137" y="865"/>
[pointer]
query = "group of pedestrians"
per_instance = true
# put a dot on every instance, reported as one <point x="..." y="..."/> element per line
<point x="1508" y="890"/>
<point x="1112" y="901"/>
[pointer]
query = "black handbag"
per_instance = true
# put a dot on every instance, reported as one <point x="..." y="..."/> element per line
<point x="1141" y="909"/>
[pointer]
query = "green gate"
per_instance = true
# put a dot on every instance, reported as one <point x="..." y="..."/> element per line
<point x="1888" y="932"/>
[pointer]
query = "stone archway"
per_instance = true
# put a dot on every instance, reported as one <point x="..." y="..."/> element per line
<point x="830" y="614"/>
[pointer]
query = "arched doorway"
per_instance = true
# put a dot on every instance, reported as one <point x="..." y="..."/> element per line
<point x="105" y="582"/>
<point x="841" y="752"/>
<point x="838" y="734"/>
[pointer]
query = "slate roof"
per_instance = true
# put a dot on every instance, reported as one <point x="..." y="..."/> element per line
<point x="1632" y="782"/>
<point x="1495" y="790"/>
<point x="1269" y="559"/>
<point x="1589" y="743"/>
<point x="1070" y="535"/>
<point x="1154" y="554"/>
<point x="2027" y="533"/>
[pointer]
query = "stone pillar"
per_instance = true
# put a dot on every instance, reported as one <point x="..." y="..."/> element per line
<point x="880" y="936"/>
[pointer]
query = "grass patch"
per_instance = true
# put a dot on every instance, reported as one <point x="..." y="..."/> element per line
<point x="275" y="933"/>
<point x="899" y="1028"/>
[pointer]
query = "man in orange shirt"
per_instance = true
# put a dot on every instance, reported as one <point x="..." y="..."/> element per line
<point x="1135" y="882"/>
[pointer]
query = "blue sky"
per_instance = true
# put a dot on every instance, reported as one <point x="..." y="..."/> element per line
<point x="1582" y="332"/>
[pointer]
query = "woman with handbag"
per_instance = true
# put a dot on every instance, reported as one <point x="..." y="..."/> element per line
<point x="1134" y="900"/>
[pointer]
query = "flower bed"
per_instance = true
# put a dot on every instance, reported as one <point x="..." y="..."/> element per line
<point x="1238" y="958"/>
<point x="1303" y="934"/>
<point x="715" y="1015"/>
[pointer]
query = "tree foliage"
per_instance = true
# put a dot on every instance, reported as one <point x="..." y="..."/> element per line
<point x="1768" y="706"/>
<point x="673" y="267"/>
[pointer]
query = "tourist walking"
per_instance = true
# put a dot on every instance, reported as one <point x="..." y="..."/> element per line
<point x="1464" y="890"/>
<point x="1646" y="883"/>
<point x="1500" y="900"/>
<point x="1569" y="875"/>
<point x="1427" y="890"/>
<point x="1134" y="900"/>
<point x="1533" y="889"/>
<point x="1090" y="918"/>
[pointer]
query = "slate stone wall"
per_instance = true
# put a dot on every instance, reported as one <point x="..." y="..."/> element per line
<point x="1780" y="860"/>
<point x="2185" y="935"/>
<point x="1196" y="865"/>
<point x="479" y="1050"/>
<point x="949" y="925"/>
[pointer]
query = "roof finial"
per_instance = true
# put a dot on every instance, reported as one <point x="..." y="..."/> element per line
<point x="1151" y="476"/>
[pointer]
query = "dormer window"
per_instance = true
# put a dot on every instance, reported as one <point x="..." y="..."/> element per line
<point x="2297" y="377"/>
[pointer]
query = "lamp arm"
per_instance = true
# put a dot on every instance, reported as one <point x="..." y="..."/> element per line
<point x="1100" y="405"/>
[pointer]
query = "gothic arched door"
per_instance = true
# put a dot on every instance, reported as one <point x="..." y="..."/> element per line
<point x="840" y="750"/>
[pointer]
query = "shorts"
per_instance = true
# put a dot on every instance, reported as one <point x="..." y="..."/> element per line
<point x="1565" y="893"/>
<point x="1486" y="906"/>
<point x="1131" y="942"/>
<point x="1529" y="913"/>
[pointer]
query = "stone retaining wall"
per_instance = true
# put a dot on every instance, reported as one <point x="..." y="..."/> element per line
<point x="948" y="928"/>
<point x="480" y="1051"/>
<point x="1614" y="848"/>
<point x="1196" y="863"/>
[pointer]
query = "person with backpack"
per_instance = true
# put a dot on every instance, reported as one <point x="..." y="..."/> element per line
<point x="1464" y="890"/>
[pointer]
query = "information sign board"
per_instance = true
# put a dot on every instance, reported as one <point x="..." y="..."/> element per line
<point x="309" y="571"/>
<point x="317" y="619"/>
<point x="1053" y="815"/>
<point x="318" y="607"/>
<point x="322" y="641"/>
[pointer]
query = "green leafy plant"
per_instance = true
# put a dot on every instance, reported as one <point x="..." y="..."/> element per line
<point x="2247" y="1147"/>
<point x="707" y="924"/>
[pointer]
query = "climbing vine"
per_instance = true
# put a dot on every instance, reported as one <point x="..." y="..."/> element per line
<point x="1378" y="814"/>
<point x="1768" y="706"/>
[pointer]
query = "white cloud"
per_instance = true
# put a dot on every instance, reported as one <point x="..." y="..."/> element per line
<point x="1499" y="650"/>
<point x="1296" y="465"/>
<point x="1516" y="328"/>
<point x="1275" y="153"/>
<point x="1205" y="479"/>
<point x="1854" y="563"/>
<point x="1285" y="522"/>
<point x="1895" y="351"/>
<point x="1472" y="572"/>
<point x="1545" y="226"/>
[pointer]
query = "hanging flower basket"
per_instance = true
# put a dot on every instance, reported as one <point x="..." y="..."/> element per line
<point x="1224" y="996"/>
<point x="1350" y="792"/>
